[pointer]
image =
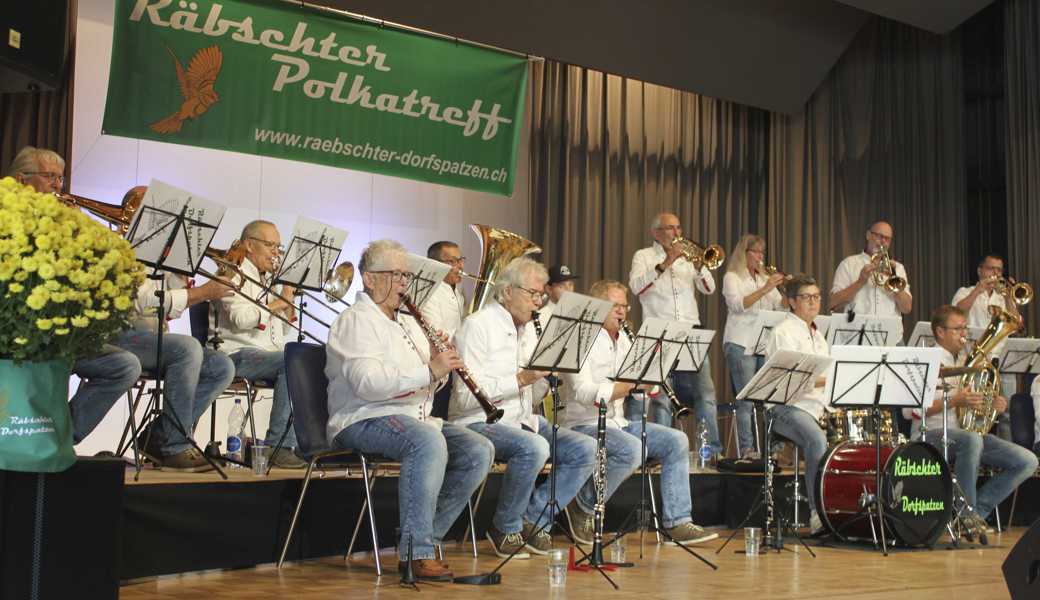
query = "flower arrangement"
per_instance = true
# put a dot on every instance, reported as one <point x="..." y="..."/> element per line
<point x="67" y="282"/>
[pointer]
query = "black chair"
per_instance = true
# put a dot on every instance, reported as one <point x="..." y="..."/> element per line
<point x="1023" y="420"/>
<point x="308" y="391"/>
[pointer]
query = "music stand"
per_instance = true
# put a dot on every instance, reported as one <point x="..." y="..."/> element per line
<point x="865" y="330"/>
<point x="564" y="345"/>
<point x="655" y="349"/>
<point x="921" y="336"/>
<point x="762" y="331"/>
<point x="785" y="376"/>
<point x="170" y="233"/>
<point x="426" y="274"/>
<point x="312" y="252"/>
<point x="874" y="377"/>
<point x="1020" y="356"/>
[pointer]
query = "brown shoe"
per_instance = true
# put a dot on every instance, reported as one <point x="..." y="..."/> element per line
<point x="428" y="569"/>
<point x="189" y="461"/>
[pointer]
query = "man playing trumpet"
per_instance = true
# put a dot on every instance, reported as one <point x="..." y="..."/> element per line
<point x="854" y="287"/>
<point x="584" y="390"/>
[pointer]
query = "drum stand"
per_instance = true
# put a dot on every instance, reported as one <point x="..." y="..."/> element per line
<point x="767" y="498"/>
<point x="965" y="521"/>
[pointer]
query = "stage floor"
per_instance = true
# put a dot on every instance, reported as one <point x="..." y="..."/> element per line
<point x="664" y="572"/>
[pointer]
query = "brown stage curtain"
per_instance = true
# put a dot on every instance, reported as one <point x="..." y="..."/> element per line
<point x="881" y="138"/>
<point x="41" y="119"/>
<point x="1022" y="55"/>
<point x="608" y="153"/>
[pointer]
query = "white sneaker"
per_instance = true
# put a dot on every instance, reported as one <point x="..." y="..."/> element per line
<point x="815" y="524"/>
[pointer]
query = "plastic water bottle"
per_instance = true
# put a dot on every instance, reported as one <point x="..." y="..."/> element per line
<point x="704" y="450"/>
<point x="236" y="420"/>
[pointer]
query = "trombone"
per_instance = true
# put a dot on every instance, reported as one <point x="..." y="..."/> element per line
<point x="116" y="216"/>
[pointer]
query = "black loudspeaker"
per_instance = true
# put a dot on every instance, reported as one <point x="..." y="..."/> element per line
<point x="34" y="44"/>
<point x="1022" y="566"/>
<point x="59" y="532"/>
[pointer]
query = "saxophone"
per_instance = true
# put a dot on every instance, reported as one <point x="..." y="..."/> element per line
<point x="599" y="481"/>
<point x="986" y="381"/>
<point x="678" y="410"/>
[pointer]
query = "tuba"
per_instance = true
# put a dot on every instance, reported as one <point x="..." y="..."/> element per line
<point x="884" y="274"/>
<point x="116" y="216"/>
<point x="986" y="380"/>
<point x="711" y="256"/>
<point x="498" y="248"/>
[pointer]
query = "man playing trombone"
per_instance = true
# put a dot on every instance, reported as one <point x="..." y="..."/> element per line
<point x="665" y="283"/>
<point x="855" y="281"/>
<point x="254" y="338"/>
<point x="382" y="373"/>
<point x="583" y="390"/>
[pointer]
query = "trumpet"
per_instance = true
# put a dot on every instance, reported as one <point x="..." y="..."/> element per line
<point x="711" y="256"/>
<point x="1018" y="292"/>
<point x="678" y="409"/>
<point x="770" y="270"/>
<point x="884" y="274"/>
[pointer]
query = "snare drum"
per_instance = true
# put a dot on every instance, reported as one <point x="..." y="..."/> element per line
<point x="917" y="491"/>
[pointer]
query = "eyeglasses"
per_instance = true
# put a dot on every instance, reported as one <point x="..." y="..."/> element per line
<point x="882" y="237"/>
<point x="402" y="276"/>
<point x="809" y="297"/>
<point x="961" y="328"/>
<point x="46" y="175"/>
<point x="535" y="294"/>
<point x="269" y="245"/>
<point x="454" y="261"/>
<point x="624" y="307"/>
<point x="667" y="227"/>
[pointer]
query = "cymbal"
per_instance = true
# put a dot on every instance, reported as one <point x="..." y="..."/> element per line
<point x="957" y="371"/>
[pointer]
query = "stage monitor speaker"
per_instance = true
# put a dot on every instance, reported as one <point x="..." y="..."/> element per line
<point x="34" y="44"/>
<point x="1022" y="566"/>
<point x="59" y="532"/>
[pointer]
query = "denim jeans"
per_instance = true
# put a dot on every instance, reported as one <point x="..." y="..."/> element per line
<point x="668" y="445"/>
<point x="742" y="368"/>
<point x="968" y="450"/>
<point x="801" y="428"/>
<point x="525" y="453"/>
<point x="697" y="391"/>
<point x="193" y="378"/>
<point x="440" y="470"/>
<point x="254" y="364"/>
<point x="105" y="378"/>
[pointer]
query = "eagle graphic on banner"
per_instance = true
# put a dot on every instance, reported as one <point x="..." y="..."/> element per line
<point x="196" y="87"/>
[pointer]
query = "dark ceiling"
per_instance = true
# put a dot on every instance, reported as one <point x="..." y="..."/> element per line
<point x="771" y="54"/>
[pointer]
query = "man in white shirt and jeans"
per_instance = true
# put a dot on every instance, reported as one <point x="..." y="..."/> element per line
<point x="445" y="308"/>
<point x="666" y="284"/>
<point x="854" y="287"/>
<point x="382" y="372"/>
<point x="583" y="391"/>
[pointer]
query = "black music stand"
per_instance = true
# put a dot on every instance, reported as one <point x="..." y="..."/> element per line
<point x="785" y="376"/>
<point x="908" y="377"/>
<point x="1020" y="356"/>
<point x="426" y="274"/>
<point x="170" y="233"/>
<point x="865" y="330"/>
<point x="765" y="321"/>
<point x="564" y="345"/>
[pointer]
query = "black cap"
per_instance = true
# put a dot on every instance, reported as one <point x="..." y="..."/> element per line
<point x="560" y="274"/>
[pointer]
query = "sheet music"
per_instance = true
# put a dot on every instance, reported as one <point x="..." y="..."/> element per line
<point x="570" y="332"/>
<point x="312" y="252"/>
<point x="762" y="331"/>
<point x="1020" y="356"/>
<point x="654" y="350"/>
<point x="907" y="378"/>
<point x="786" y="375"/>
<point x="865" y="330"/>
<point x="177" y="219"/>
<point x="694" y="349"/>
<point x="426" y="274"/>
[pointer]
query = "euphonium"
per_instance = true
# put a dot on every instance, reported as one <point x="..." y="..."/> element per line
<point x="711" y="256"/>
<point x="986" y="381"/>
<point x="117" y="216"/>
<point x="884" y="274"/>
<point x="1017" y="292"/>
<point x="498" y="248"/>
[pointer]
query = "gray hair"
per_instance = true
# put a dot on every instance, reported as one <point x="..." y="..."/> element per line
<point x="252" y="228"/>
<point x="516" y="272"/>
<point x="656" y="221"/>
<point x="29" y="160"/>
<point x="380" y="252"/>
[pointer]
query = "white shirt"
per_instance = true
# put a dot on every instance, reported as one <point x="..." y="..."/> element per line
<point x="978" y="315"/>
<point x="935" y="421"/>
<point x="668" y="295"/>
<point x="146" y="304"/>
<point x="582" y="390"/>
<point x="545" y="312"/>
<point x="243" y="324"/>
<point x="377" y="366"/>
<point x="445" y="308"/>
<point x="793" y="334"/>
<point x="494" y="352"/>
<point x="740" y="320"/>
<point x="870" y="299"/>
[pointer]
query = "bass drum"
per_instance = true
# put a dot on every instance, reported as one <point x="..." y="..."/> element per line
<point x="917" y="491"/>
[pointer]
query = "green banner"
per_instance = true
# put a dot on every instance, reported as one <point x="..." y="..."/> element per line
<point x="275" y="79"/>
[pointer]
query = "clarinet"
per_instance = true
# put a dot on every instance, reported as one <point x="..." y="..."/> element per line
<point x="599" y="481"/>
<point x="678" y="410"/>
<point x="493" y="412"/>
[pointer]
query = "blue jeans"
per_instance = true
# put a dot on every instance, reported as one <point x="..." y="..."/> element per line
<point x="440" y="470"/>
<point x="968" y="450"/>
<point x="668" y="445"/>
<point x="106" y="377"/>
<point x="525" y="453"/>
<point x="801" y="428"/>
<point x="697" y="391"/>
<point x="742" y="368"/>
<point x="193" y="378"/>
<point x="254" y="364"/>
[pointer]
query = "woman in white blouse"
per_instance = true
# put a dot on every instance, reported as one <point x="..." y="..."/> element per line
<point x="746" y="289"/>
